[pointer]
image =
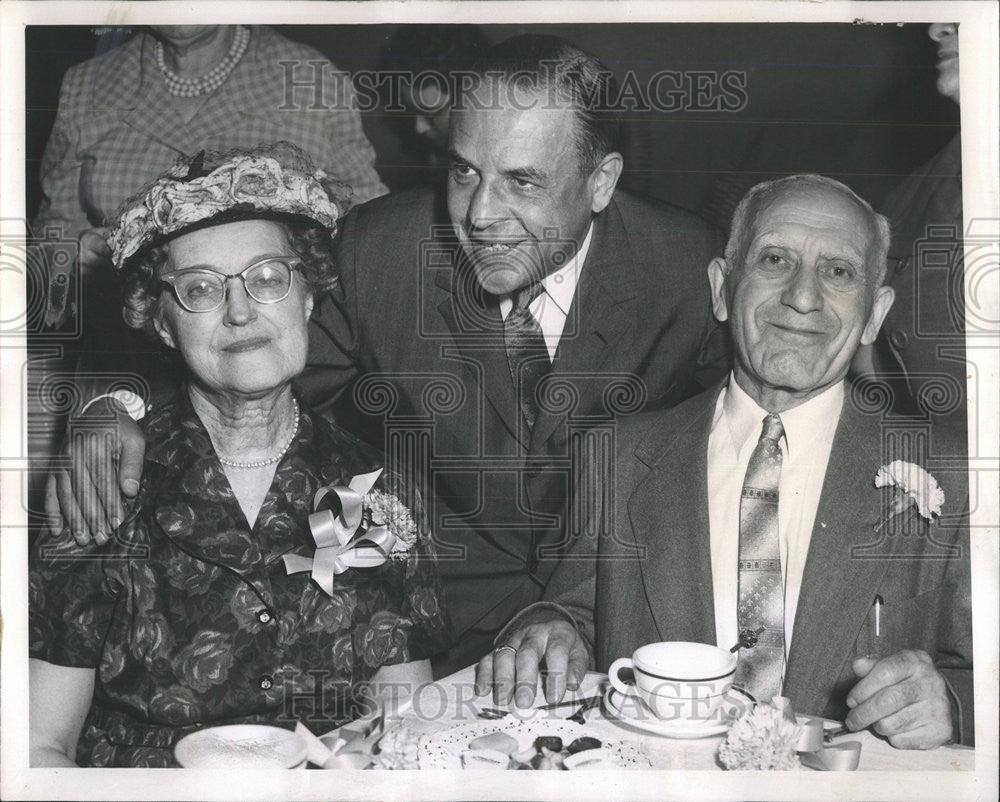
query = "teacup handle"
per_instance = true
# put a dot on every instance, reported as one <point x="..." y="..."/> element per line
<point x="616" y="683"/>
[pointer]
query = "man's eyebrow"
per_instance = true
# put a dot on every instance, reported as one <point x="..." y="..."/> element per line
<point x="845" y="254"/>
<point x="770" y="240"/>
<point x="532" y="174"/>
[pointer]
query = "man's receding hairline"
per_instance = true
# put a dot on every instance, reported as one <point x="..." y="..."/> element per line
<point x="765" y="203"/>
<point x="771" y="192"/>
<point x="563" y="103"/>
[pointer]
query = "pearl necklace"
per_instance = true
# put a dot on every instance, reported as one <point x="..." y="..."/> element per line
<point x="260" y="463"/>
<point x="210" y="81"/>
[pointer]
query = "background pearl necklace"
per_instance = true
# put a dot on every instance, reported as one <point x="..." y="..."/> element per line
<point x="270" y="460"/>
<point x="210" y="81"/>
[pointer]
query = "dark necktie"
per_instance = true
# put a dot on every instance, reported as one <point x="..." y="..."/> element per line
<point x="761" y="609"/>
<point x="527" y="355"/>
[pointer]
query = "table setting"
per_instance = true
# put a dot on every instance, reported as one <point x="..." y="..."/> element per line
<point x="670" y="706"/>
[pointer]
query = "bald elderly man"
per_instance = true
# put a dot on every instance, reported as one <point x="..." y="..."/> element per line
<point x="750" y="513"/>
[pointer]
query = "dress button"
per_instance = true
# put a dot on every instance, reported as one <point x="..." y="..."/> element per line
<point x="898" y="338"/>
<point x="264" y="616"/>
<point x="266" y="683"/>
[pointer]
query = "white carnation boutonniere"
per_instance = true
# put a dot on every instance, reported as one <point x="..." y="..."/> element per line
<point x="912" y="485"/>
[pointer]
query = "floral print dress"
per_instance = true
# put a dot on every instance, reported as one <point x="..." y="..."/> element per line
<point x="189" y="617"/>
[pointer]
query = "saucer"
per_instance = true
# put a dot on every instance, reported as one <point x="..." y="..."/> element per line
<point x="631" y="710"/>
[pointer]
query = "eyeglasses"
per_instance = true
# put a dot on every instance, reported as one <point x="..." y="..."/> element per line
<point x="199" y="289"/>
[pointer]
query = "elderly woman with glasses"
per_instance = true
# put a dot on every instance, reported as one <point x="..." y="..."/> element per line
<point x="223" y="598"/>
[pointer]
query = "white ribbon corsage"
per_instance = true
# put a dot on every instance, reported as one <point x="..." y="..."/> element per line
<point x="913" y="485"/>
<point x="367" y="528"/>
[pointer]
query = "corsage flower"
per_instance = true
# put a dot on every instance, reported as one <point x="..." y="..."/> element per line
<point x="354" y="527"/>
<point x="913" y="485"/>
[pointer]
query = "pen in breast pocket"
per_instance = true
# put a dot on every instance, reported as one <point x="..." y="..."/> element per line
<point x="877" y="604"/>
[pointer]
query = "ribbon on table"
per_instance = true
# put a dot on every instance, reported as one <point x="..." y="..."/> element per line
<point x="813" y="751"/>
<point x="349" y="747"/>
<point x="342" y="541"/>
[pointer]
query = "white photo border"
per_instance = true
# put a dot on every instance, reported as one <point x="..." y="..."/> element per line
<point x="981" y="195"/>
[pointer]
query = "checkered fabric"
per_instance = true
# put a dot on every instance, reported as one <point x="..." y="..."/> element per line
<point x="117" y="127"/>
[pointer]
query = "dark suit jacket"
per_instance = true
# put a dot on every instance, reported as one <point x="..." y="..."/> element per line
<point x="652" y="576"/>
<point x="410" y="336"/>
<point x="920" y="351"/>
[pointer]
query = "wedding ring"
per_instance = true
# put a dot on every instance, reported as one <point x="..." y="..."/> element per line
<point x="499" y="649"/>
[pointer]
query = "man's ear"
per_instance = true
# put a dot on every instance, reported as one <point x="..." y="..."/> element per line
<point x="163" y="330"/>
<point x="717" y="278"/>
<point x="884" y="296"/>
<point x="310" y="300"/>
<point x="603" y="181"/>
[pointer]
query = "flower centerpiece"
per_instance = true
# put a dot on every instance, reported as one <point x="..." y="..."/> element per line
<point x="761" y="739"/>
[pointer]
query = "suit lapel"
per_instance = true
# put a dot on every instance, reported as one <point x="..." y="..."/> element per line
<point x="837" y="589"/>
<point x="669" y="516"/>
<point x="477" y="332"/>
<point x="598" y="318"/>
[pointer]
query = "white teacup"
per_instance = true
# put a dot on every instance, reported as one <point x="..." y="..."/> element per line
<point x="677" y="680"/>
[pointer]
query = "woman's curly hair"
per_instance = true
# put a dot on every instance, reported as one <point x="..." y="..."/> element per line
<point x="142" y="290"/>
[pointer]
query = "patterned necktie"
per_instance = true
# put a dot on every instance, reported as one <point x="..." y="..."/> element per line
<point x="527" y="355"/>
<point x="761" y="610"/>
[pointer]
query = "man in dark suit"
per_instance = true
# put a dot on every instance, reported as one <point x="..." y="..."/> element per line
<point x="420" y="315"/>
<point x="919" y="358"/>
<point x="855" y="607"/>
<point x="490" y="342"/>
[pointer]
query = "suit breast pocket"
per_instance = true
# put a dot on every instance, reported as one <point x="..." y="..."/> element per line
<point x="936" y="620"/>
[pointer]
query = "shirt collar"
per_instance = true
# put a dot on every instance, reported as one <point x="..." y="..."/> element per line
<point x="560" y="286"/>
<point x="808" y="423"/>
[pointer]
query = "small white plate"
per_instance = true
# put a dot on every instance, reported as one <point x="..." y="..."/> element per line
<point x="237" y="746"/>
<point x="631" y="710"/>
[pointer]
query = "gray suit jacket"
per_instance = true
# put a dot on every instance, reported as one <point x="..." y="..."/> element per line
<point x="640" y="569"/>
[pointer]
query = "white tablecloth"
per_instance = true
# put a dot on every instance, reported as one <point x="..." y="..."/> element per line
<point x="452" y="703"/>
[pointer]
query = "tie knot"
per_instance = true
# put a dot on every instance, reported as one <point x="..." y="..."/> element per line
<point x="524" y="296"/>
<point x="772" y="428"/>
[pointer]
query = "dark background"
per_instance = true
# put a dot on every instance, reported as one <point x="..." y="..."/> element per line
<point x="853" y="101"/>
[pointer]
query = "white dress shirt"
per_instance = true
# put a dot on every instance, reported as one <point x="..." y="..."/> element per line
<point x="552" y="306"/>
<point x="736" y="428"/>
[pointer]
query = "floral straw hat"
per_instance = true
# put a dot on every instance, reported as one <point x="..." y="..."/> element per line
<point x="271" y="182"/>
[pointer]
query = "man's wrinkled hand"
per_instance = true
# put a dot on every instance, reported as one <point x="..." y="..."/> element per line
<point x="98" y="465"/>
<point x="903" y="697"/>
<point x="543" y="639"/>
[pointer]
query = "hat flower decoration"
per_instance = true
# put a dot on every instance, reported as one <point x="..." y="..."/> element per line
<point x="270" y="181"/>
